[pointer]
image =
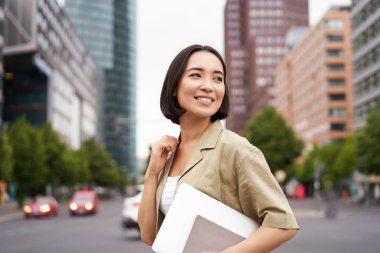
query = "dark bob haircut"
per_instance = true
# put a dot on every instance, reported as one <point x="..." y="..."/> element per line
<point x="169" y="103"/>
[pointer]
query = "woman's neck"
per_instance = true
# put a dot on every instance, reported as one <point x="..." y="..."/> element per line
<point x="192" y="130"/>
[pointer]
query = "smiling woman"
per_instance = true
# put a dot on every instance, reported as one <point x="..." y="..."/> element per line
<point x="210" y="158"/>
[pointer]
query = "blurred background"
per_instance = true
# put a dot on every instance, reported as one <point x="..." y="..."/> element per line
<point x="79" y="108"/>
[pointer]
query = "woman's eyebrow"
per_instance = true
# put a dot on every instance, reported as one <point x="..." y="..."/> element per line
<point x="202" y="70"/>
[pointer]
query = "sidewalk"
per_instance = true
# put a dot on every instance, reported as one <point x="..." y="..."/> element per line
<point x="9" y="211"/>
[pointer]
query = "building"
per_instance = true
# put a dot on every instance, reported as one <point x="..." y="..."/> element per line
<point x="313" y="84"/>
<point x="365" y="16"/>
<point x="108" y="29"/>
<point x="1" y="59"/>
<point x="48" y="74"/>
<point x="255" y="42"/>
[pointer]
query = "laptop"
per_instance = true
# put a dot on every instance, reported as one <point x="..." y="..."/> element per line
<point x="190" y="212"/>
<point x="206" y="235"/>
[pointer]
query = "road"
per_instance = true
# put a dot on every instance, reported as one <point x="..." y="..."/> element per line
<point x="356" y="229"/>
<point x="93" y="234"/>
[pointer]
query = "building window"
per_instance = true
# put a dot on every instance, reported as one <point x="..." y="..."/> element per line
<point x="339" y="112"/>
<point x="335" y="67"/>
<point x="334" y="38"/>
<point x="338" y="127"/>
<point x="337" y="96"/>
<point x="335" y="82"/>
<point x="335" y="52"/>
<point x="334" y="23"/>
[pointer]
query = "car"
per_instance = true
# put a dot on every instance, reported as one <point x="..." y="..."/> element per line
<point x="41" y="206"/>
<point x="83" y="202"/>
<point x="131" y="208"/>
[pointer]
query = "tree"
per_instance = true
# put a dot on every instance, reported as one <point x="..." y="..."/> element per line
<point x="346" y="161"/>
<point x="104" y="171"/>
<point x="75" y="168"/>
<point x="369" y="145"/>
<point x="54" y="151"/>
<point x="6" y="157"/>
<point x="268" y="131"/>
<point x="29" y="171"/>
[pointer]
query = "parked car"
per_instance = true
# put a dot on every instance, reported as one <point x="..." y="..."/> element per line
<point x="41" y="206"/>
<point x="130" y="209"/>
<point x="83" y="202"/>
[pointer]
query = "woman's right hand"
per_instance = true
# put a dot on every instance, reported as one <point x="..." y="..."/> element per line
<point x="159" y="154"/>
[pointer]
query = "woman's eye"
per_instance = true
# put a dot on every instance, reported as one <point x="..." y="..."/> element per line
<point x="219" y="78"/>
<point x="195" y="75"/>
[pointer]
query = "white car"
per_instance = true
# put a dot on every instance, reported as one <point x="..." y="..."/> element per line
<point x="131" y="209"/>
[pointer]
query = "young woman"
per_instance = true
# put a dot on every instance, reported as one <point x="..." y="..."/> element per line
<point x="210" y="158"/>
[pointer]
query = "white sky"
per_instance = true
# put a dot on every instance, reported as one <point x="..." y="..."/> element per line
<point x="163" y="29"/>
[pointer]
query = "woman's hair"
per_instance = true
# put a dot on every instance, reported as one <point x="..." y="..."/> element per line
<point x="169" y="103"/>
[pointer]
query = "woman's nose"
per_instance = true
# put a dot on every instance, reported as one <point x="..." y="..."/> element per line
<point x="207" y="85"/>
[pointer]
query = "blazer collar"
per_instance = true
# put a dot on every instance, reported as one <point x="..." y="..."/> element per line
<point x="208" y="140"/>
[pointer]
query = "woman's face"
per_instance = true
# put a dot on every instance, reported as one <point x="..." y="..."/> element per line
<point x="201" y="89"/>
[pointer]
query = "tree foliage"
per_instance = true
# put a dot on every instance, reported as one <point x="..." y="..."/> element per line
<point x="104" y="171"/>
<point x="29" y="171"/>
<point x="6" y="157"/>
<point x="268" y="131"/>
<point x="369" y="144"/>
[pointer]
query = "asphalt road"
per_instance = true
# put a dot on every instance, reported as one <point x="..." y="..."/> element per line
<point x="355" y="229"/>
<point x="98" y="233"/>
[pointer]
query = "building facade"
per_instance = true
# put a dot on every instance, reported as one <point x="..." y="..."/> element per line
<point x="313" y="84"/>
<point x="48" y="74"/>
<point x="2" y="17"/>
<point x="108" y="28"/>
<point x="255" y="42"/>
<point x="365" y="16"/>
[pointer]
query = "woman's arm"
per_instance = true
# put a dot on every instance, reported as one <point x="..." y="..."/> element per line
<point x="264" y="240"/>
<point x="147" y="209"/>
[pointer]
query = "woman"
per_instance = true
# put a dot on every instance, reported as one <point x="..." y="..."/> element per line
<point x="210" y="158"/>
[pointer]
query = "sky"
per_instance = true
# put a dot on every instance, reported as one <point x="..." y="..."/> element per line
<point x="164" y="28"/>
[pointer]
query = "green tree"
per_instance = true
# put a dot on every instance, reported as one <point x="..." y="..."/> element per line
<point x="268" y="131"/>
<point x="75" y="169"/>
<point x="346" y="161"/>
<point x="104" y="172"/>
<point x="325" y="155"/>
<point x="6" y="157"/>
<point x="54" y="151"/>
<point x="29" y="171"/>
<point x="368" y="144"/>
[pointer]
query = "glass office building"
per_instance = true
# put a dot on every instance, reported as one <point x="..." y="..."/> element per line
<point x="49" y="76"/>
<point x="108" y="29"/>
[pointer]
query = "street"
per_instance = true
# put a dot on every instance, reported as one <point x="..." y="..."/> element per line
<point x="93" y="234"/>
<point x="355" y="229"/>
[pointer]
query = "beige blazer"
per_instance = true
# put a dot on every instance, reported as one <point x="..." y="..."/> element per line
<point x="228" y="168"/>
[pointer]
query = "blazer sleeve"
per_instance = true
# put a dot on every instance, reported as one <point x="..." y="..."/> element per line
<point x="260" y="196"/>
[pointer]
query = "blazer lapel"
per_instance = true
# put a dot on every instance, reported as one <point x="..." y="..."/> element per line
<point x="208" y="140"/>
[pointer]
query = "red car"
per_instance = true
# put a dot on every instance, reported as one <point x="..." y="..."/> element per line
<point x="83" y="202"/>
<point x="41" y="206"/>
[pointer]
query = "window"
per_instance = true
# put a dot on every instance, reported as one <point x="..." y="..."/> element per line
<point x="333" y="38"/>
<point x="337" y="97"/>
<point x="336" y="82"/>
<point x="335" y="67"/>
<point x="338" y="127"/>
<point x="335" y="52"/>
<point x="334" y="23"/>
<point x="340" y="112"/>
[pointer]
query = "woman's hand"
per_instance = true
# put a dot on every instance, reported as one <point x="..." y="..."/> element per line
<point x="159" y="154"/>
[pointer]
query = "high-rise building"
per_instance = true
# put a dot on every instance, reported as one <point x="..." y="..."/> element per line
<point x="255" y="42"/>
<point x="1" y="59"/>
<point x="108" y="29"/>
<point x="365" y="16"/>
<point x="49" y="76"/>
<point x="313" y="84"/>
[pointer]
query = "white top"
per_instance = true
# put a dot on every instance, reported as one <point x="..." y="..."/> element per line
<point x="167" y="196"/>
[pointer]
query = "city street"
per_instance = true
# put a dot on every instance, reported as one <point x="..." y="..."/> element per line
<point x="356" y="229"/>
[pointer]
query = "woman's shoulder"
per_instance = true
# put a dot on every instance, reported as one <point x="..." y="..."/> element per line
<point x="233" y="142"/>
